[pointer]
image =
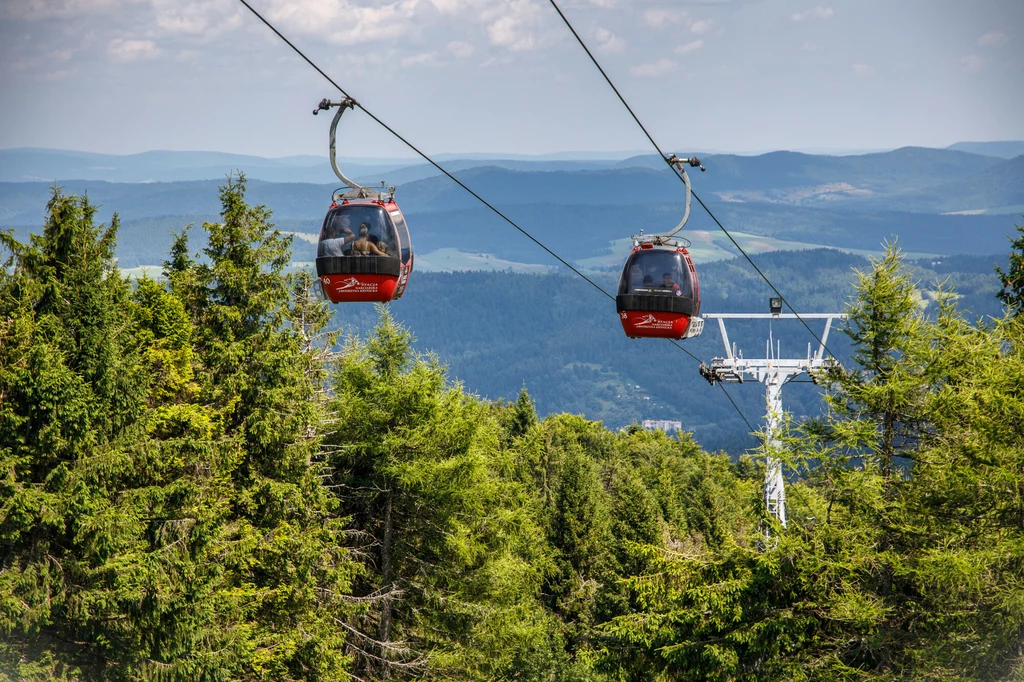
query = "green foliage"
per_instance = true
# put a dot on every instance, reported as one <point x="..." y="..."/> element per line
<point x="580" y="527"/>
<point x="71" y="392"/>
<point x="1012" y="293"/>
<point x="524" y="415"/>
<point x="903" y="555"/>
<point x="196" y="484"/>
<point x="450" y="555"/>
<point x="257" y="380"/>
<point x="160" y="517"/>
<point x="966" y="516"/>
<point x="877" y="410"/>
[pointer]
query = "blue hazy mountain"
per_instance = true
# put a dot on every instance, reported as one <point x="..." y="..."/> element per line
<point x="883" y="172"/>
<point x="422" y="171"/>
<point x="997" y="189"/>
<point x="1004" y="150"/>
<point x="577" y="206"/>
<point x="910" y="167"/>
<point x="48" y="165"/>
<point x="846" y="202"/>
<point x="562" y="337"/>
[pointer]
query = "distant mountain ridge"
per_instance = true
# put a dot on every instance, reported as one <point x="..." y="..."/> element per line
<point x="996" y="189"/>
<point x="47" y="165"/>
<point x="935" y="201"/>
<point x="882" y="171"/>
<point x="576" y="230"/>
<point x="1005" y="150"/>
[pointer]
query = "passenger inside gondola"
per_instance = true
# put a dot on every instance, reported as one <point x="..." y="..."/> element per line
<point x="337" y="238"/>
<point x="357" y="229"/>
<point x="659" y="273"/>
<point x="365" y="245"/>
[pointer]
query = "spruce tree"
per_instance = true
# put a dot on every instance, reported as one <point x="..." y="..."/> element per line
<point x="72" y="390"/>
<point x="903" y="554"/>
<point x="160" y="515"/>
<point x="1012" y="293"/>
<point x="524" y="415"/>
<point x="283" y="573"/>
<point x="449" y="551"/>
<point x="966" y="507"/>
<point x="878" y="406"/>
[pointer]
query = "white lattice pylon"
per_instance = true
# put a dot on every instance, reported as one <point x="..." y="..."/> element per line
<point x="773" y="371"/>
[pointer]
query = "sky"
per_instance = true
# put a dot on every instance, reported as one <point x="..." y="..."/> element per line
<point x="506" y="76"/>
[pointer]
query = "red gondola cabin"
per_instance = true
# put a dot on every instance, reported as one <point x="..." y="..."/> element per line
<point x="659" y="295"/>
<point x="364" y="252"/>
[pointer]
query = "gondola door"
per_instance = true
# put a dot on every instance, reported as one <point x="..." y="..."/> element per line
<point x="405" y="253"/>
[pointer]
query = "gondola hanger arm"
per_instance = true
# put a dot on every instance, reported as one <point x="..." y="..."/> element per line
<point x="676" y="162"/>
<point x="357" y="191"/>
<point x="678" y="166"/>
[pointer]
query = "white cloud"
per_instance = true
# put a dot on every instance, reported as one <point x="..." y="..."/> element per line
<point x="690" y="47"/>
<point x="447" y="6"/>
<point x="203" y="20"/>
<point x="188" y="56"/>
<point x="34" y="10"/>
<point x="21" y="65"/>
<point x="993" y="39"/>
<point x="508" y="32"/>
<point x="460" y="49"/>
<point x="343" y="22"/>
<point x="121" y="50"/>
<point x="863" y="70"/>
<point x="701" y="27"/>
<point x="608" y="41"/>
<point x="59" y="75"/>
<point x="654" y="69"/>
<point x="519" y="29"/>
<point x="40" y="62"/>
<point x="353" y="63"/>
<point x="818" y="12"/>
<point x="810" y="47"/>
<point x="663" y="16"/>
<point x="972" y="62"/>
<point x="422" y="59"/>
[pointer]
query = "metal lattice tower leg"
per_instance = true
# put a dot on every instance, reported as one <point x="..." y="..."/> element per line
<point x="774" y="485"/>
<point x="773" y="371"/>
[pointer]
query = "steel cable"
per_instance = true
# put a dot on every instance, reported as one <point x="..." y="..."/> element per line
<point x="665" y="158"/>
<point x="458" y="182"/>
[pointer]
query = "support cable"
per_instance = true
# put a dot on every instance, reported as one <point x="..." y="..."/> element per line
<point x="665" y="158"/>
<point x="426" y="158"/>
<point x="458" y="182"/>
<point x="722" y="386"/>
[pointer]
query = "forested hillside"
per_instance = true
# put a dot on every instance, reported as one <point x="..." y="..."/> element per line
<point x="199" y="482"/>
<point x="561" y="338"/>
<point x="498" y="331"/>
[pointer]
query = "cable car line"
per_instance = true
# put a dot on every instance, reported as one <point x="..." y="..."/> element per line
<point x="426" y="158"/>
<point x="609" y="81"/>
<point x="669" y="160"/>
<point x="355" y="103"/>
<point x="722" y="385"/>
